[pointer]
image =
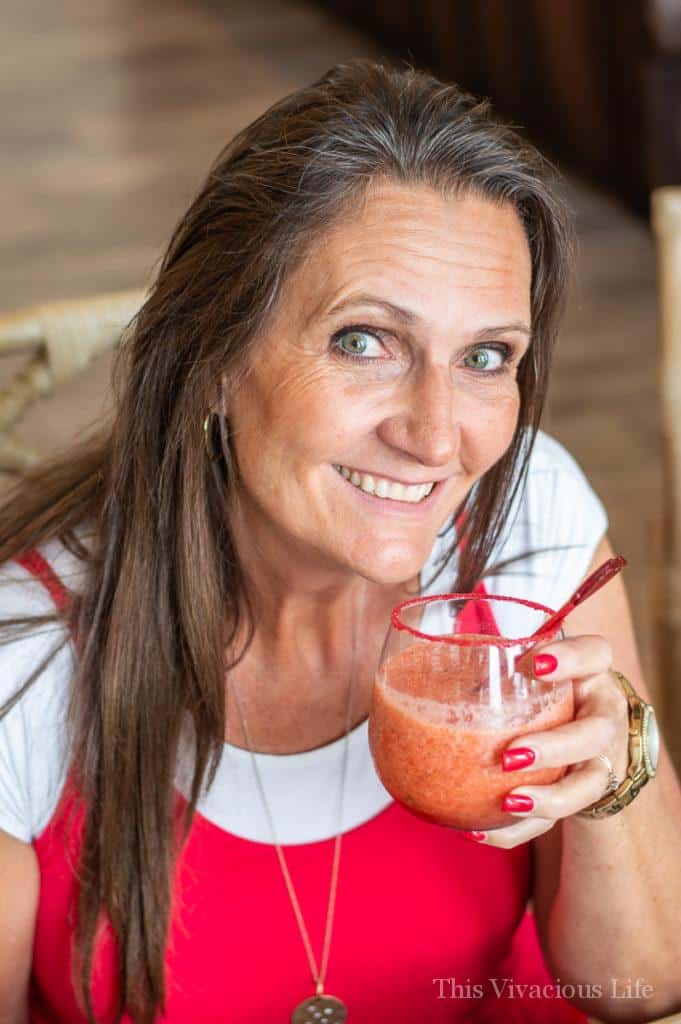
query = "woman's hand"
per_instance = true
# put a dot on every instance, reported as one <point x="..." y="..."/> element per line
<point x="600" y="726"/>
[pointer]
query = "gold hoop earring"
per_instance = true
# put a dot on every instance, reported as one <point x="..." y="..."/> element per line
<point x="208" y="436"/>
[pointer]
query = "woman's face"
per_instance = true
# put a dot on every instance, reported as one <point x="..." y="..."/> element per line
<point x="385" y="384"/>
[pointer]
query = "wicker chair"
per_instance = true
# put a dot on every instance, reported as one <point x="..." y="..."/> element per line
<point x="60" y="339"/>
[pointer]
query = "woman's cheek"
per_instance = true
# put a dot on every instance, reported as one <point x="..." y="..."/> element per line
<point x="488" y="423"/>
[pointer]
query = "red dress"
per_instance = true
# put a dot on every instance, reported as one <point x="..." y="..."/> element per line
<point x="429" y="927"/>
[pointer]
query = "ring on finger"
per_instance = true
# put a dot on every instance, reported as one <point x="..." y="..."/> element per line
<point x="613" y="781"/>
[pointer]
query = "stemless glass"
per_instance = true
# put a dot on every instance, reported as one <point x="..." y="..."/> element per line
<point x="448" y="700"/>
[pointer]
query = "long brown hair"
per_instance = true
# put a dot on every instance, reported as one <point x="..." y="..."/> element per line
<point x="163" y="594"/>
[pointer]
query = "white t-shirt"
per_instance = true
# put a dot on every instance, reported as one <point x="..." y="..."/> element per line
<point x="556" y="510"/>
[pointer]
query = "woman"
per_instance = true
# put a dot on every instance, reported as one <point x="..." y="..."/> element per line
<point x="329" y="400"/>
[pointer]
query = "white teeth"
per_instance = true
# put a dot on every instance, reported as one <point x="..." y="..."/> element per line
<point x="383" y="488"/>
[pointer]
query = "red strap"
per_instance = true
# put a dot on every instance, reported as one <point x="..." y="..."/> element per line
<point x="478" y="616"/>
<point x="34" y="562"/>
<point x="39" y="567"/>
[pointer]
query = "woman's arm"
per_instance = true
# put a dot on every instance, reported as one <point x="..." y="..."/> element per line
<point x="608" y="892"/>
<point x="19" y="891"/>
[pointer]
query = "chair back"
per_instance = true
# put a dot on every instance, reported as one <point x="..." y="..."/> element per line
<point x="60" y="340"/>
<point x="666" y="223"/>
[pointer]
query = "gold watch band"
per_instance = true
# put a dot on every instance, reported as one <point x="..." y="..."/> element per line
<point x="640" y="769"/>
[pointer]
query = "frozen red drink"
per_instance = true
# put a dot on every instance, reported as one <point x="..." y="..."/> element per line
<point x="437" y="738"/>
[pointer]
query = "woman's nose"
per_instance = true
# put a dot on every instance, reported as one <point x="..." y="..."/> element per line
<point x="426" y="426"/>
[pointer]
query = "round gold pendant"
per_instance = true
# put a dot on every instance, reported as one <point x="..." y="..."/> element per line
<point x="320" y="1010"/>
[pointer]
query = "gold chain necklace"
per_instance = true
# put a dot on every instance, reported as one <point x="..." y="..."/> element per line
<point x="321" y="1007"/>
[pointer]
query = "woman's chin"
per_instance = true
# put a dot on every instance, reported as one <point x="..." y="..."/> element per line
<point x="390" y="564"/>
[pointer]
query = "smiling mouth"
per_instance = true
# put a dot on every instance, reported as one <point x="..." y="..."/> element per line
<point x="382" y="488"/>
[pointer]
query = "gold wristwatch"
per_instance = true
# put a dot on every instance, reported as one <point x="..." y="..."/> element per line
<point x="644" y="751"/>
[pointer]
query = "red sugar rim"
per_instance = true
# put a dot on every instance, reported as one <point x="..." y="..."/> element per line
<point x="462" y="641"/>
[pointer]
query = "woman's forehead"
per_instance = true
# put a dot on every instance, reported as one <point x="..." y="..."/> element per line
<point x="415" y="249"/>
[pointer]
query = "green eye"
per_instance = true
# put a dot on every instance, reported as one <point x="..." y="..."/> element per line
<point x="487" y="357"/>
<point x="354" y="343"/>
<point x="358" y="344"/>
<point x="478" y="359"/>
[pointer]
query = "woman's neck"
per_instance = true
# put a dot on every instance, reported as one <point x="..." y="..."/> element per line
<point x="309" y="618"/>
<point x="293" y="682"/>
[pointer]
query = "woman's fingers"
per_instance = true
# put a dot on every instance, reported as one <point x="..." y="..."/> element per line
<point x="575" y="657"/>
<point x="575" y="791"/>
<point x="511" y="835"/>
<point x="600" y="726"/>
<point x="571" y="794"/>
<point x="567" y="744"/>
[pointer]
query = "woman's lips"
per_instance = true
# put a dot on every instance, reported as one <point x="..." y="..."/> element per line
<point x="386" y="487"/>
<point x="398" y="507"/>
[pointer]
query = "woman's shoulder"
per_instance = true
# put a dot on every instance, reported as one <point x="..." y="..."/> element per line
<point x="558" y="503"/>
<point x="32" y="733"/>
<point x="550" y="456"/>
<point x="32" y="584"/>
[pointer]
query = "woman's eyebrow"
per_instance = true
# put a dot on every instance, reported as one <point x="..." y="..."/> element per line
<point x="516" y="326"/>
<point x="364" y="299"/>
<point x="409" y="317"/>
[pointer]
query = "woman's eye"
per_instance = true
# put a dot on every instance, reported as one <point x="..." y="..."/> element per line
<point x="359" y="344"/>
<point x="487" y="357"/>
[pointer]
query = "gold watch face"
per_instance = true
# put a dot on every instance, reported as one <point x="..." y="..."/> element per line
<point x="650" y="736"/>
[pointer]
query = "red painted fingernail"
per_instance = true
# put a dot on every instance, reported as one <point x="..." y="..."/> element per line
<point x="542" y="664"/>
<point x="517" y="802"/>
<point x="477" y="836"/>
<point x="519" y="757"/>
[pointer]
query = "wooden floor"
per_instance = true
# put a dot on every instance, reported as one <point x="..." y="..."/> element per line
<point x="111" y="113"/>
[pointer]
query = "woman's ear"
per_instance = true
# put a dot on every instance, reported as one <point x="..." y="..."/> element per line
<point x="223" y="397"/>
<point x="217" y="400"/>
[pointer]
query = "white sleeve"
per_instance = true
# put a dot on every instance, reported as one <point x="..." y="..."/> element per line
<point x="32" y="761"/>
<point x="560" y="518"/>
